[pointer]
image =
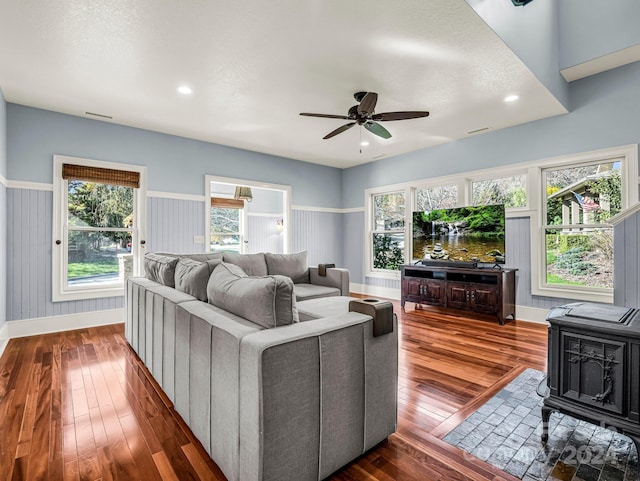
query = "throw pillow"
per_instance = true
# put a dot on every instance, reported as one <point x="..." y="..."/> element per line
<point x="160" y="268"/>
<point x="191" y="277"/>
<point x="268" y="301"/>
<point x="290" y="265"/>
<point x="252" y="264"/>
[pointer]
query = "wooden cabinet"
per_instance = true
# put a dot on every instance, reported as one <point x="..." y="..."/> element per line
<point x="488" y="291"/>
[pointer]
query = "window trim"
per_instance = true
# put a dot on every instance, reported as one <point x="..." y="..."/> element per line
<point x="60" y="291"/>
<point x="409" y="196"/>
<point x="628" y="156"/>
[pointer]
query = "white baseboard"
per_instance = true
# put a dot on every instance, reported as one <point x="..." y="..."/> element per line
<point x="366" y="289"/>
<point x="68" y="322"/>
<point x="523" y="313"/>
<point x="4" y="337"/>
<point x="532" y="314"/>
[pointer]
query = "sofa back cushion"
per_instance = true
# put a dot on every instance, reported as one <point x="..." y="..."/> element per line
<point x="160" y="268"/>
<point x="191" y="276"/>
<point x="206" y="257"/>
<point x="251" y="264"/>
<point x="268" y="301"/>
<point x="290" y="265"/>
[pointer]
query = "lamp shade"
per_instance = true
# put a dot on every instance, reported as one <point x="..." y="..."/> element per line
<point x="243" y="193"/>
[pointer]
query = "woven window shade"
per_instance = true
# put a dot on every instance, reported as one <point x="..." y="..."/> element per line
<point x="223" y="203"/>
<point x="85" y="173"/>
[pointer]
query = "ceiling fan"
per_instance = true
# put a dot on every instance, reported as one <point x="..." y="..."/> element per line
<point x="364" y="114"/>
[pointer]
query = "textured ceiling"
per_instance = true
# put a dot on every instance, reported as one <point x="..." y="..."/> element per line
<point x="255" y="65"/>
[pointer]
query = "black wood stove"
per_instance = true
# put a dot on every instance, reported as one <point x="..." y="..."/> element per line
<point x="594" y="366"/>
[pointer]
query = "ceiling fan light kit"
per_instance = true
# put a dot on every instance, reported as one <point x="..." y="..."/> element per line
<point x="364" y="114"/>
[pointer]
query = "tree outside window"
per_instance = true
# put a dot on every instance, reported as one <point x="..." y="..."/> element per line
<point x="100" y="222"/>
<point x="431" y="198"/>
<point x="388" y="230"/>
<point x="578" y="246"/>
<point x="226" y="229"/>
<point x="510" y="191"/>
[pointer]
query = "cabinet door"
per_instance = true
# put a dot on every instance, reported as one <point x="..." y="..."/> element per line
<point x="457" y="295"/>
<point x="484" y="298"/>
<point x="412" y="290"/>
<point x="433" y="292"/>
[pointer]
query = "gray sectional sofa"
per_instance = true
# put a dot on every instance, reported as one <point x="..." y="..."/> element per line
<point x="276" y="378"/>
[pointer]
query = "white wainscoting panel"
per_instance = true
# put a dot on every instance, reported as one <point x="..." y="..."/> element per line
<point x="29" y="244"/>
<point x="320" y="234"/>
<point x="173" y="223"/>
<point x="263" y="235"/>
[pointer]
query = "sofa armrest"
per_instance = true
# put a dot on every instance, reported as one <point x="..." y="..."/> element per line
<point x="336" y="277"/>
<point x="314" y="396"/>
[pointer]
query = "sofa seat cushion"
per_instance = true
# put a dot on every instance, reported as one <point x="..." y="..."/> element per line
<point x="192" y="276"/>
<point x="160" y="268"/>
<point x="323" y="307"/>
<point x="251" y="264"/>
<point x="311" y="291"/>
<point x="267" y="300"/>
<point x="291" y="265"/>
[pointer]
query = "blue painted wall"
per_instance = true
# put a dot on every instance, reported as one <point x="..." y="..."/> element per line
<point x="3" y="135"/>
<point x="3" y="211"/>
<point x="175" y="164"/>
<point x="531" y="32"/>
<point x="605" y="113"/>
<point x="593" y="28"/>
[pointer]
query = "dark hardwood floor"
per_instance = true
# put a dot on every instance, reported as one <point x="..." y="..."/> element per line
<point x="79" y="405"/>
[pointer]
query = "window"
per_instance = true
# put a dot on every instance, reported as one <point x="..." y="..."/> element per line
<point x="431" y="198"/>
<point x="388" y="234"/>
<point x="572" y="250"/>
<point x="96" y="227"/>
<point x="226" y="225"/>
<point x="578" y="245"/>
<point x="510" y="191"/>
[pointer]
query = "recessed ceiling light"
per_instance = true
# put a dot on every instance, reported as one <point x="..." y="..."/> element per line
<point x="511" y="98"/>
<point x="364" y="143"/>
<point x="185" y="90"/>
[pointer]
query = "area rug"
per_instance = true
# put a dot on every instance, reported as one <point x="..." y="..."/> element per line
<point x="505" y="432"/>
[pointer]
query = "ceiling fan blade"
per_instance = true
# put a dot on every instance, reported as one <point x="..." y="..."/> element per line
<point x="339" y="130"/>
<point x="368" y="104"/>
<point x="325" y="116"/>
<point x="377" y="129"/>
<point x="399" y="115"/>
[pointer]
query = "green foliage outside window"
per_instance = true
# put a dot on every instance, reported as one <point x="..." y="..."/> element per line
<point x="387" y="253"/>
<point x="100" y="205"/>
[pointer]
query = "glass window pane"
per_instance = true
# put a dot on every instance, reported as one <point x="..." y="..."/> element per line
<point x="437" y="198"/>
<point x="510" y="191"/>
<point x="225" y="220"/>
<point x="579" y="257"/>
<point x="388" y="251"/>
<point x="588" y="194"/>
<point x="100" y="205"/>
<point x="93" y="256"/>
<point x="388" y="211"/>
<point x="225" y="243"/>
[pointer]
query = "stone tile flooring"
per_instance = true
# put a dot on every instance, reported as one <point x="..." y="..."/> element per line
<point x="505" y="432"/>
